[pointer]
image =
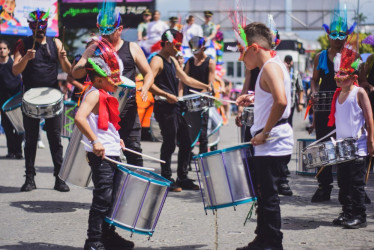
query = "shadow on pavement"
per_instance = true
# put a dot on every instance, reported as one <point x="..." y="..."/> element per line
<point x="49" y="206"/>
<point x="37" y="245"/>
<point x="8" y="190"/>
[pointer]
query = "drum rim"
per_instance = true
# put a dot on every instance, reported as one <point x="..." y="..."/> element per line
<point x="10" y="99"/>
<point x="235" y="203"/>
<point x="224" y="150"/>
<point x="133" y="230"/>
<point x="68" y="103"/>
<point x="166" y="183"/>
<point x="61" y="100"/>
<point x="306" y="139"/>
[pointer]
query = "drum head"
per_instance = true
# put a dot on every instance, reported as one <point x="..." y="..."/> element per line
<point x="13" y="102"/>
<point x="127" y="83"/>
<point x="42" y="96"/>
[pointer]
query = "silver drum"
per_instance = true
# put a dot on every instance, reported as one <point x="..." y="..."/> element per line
<point x="321" y="154"/>
<point x="75" y="169"/>
<point x="215" y="122"/>
<point x="196" y="102"/>
<point x="323" y="100"/>
<point x="248" y="116"/>
<point x="123" y="92"/>
<point x="139" y="196"/>
<point x="70" y="109"/>
<point x="224" y="177"/>
<point x="346" y="150"/>
<point x="42" y="102"/>
<point x="12" y="108"/>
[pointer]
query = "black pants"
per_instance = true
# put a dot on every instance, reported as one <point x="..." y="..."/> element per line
<point x="53" y="128"/>
<point x="13" y="139"/>
<point x="131" y="131"/>
<point x="325" y="178"/>
<point x="173" y="127"/>
<point x="351" y="182"/>
<point x="103" y="178"/>
<point x="203" y="139"/>
<point x="266" y="179"/>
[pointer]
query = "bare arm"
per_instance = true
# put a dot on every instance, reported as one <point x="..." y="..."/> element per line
<point x="144" y="68"/>
<point x="364" y="102"/>
<point x="212" y="72"/>
<point x="64" y="62"/>
<point x="72" y="81"/>
<point x="20" y="62"/>
<point x="314" y="82"/>
<point x="362" y="73"/>
<point x="188" y="80"/>
<point x="78" y="70"/>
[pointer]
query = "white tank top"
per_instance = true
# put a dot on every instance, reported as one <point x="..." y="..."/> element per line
<point x="108" y="138"/>
<point x="349" y="120"/>
<point x="283" y="144"/>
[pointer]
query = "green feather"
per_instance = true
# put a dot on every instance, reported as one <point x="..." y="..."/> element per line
<point x="355" y="64"/>
<point x="33" y="16"/>
<point x="242" y="34"/>
<point x="46" y="15"/>
<point x="98" y="70"/>
<point x="217" y="103"/>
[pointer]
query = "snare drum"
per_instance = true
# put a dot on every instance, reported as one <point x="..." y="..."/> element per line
<point x="196" y="102"/>
<point x="321" y="154"/>
<point x="123" y="92"/>
<point x="138" y="200"/>
<point x="248" y="116"/>
<point x="42" y="102"/>
<point x="75" y="169"/>
<point x="70" y="109"/>
<point x="12" y="108"/>
<point x="300" y="164"/>
<point x="224" y="177"/>
<point x="215" y="122"/>
<point x="323" y="100"/>
<point x="346" y="150"/>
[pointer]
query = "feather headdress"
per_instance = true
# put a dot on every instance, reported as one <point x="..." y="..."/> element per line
<point x="338" y="28"/>
<point x="108" y="19"/>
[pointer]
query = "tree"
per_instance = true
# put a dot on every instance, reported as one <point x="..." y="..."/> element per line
<point x="360" y="18"/>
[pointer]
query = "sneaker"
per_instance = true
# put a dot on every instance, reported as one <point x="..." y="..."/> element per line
<point x="284" y="189"/>
<point x="356" y="222"/>
<point x="93" y="245"/>
<point x="41" y="144"/>
<point x="322" y="194"/>
<point x="112" y="240"/>
<point x="187" y="184"/>
<point x="19" y="156"/>
<point x="342" y="219"/>
<point x="10" y="156"/>
<point x="174" y="187"/>
<point x="61" y="186"/>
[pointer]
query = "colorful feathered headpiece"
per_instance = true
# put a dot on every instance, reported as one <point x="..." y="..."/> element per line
<point x="196" y="43"/>
<point x="238" y="24"/>
<point x="274" y="32"/>
<point x="108" y="19"/>
<point x="106" y="62"/>
<point x="339" y="25"/>
<point x="173" y="36"/>
<point x="37" y="16"/>
<point x="347" y="61"/>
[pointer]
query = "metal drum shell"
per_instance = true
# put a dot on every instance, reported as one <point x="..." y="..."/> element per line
<point x="139" y="196"/>
<point x="196" y="102"/>
<point x="45" y="111"/>
<point x="75" y="169"/>
<point x="224" y="177"/>
<point x="215" y="122"/>
<point x="14" y="112"/>
<point x="122" y="94"/>
<point x="248" y="116"/>
<point x="346" y="150"/>
<point x="70" y="108"/>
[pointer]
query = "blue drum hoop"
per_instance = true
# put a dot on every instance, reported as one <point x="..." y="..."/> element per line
<point x="9" y="100"/>
<point x="164" y="182"/>
<point x="132" y="230"/>
<point x="221" y="151"/>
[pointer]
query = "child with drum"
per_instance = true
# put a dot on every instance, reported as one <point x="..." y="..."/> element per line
<point x="351" y="112"/>
<point x="97" y="118"/>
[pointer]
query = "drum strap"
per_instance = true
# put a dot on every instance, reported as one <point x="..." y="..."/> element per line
<point x="280" y="122"/>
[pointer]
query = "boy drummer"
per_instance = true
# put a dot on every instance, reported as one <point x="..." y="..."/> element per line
<point x="97" y="118"/>
<point x="351" y="111"/>
<point x="272" y="109"/>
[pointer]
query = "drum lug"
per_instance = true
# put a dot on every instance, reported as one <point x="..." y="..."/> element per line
<point x="235" y="208"/>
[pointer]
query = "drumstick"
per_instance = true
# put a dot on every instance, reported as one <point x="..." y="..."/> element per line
<point x="36" y="31"/>
<point x="212" y="97"/>
<point x="368" y="171"/>
<point x="144" y="155"/>
<point x="120" y="163"/>
<point x="268" y="139"/>
<point x="322" y="168"/>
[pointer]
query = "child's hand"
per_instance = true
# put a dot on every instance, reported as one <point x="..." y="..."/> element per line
<point x="370" y="145"/>
<point x="122" y="144"/>
<point x="99" y="150"/>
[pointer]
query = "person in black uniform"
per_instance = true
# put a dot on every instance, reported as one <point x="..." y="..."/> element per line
<point x="39" y="68"/>
<point x="9" y="86"/>
<point x="132" y="56"/>
<point x="202" y="68"/>
<point x="167" y="112"/>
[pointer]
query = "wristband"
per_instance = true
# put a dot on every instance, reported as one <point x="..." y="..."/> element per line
<point x="302" y="103"/>
<point x="94" y="142"/>
<point x="266" y="133"/>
